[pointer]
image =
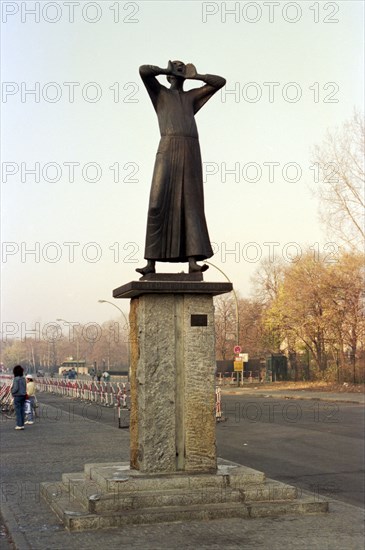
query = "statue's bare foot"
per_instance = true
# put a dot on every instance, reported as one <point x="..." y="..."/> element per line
<point x="149" y="268"/>
<point x="196" y="268"/>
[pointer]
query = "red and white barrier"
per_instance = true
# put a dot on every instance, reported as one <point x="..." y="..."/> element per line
<point x="122" y="403"/>
<point x="107" y="394"/>
<point x="5" y="394"/>
<point x="218" y="404"/>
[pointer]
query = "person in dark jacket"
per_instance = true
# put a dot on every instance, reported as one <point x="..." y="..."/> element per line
<point x="18" y="391"/>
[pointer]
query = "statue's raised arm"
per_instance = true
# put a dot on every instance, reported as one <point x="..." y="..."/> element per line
<point x="201" y="95"/>
<point x="148" y="74"/>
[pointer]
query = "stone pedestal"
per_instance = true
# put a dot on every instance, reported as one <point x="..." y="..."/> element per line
<point x="172" y="373"/>
<point x="115" y="495"/>
<point x="173" y="473"/>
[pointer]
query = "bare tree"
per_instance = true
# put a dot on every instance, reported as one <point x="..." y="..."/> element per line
<point x="339" y="163"/>
<point x="346" y="287"/>
<point x="225" y="326"/>
<point x="268" y="279"/>
<point x="252" y="337"/>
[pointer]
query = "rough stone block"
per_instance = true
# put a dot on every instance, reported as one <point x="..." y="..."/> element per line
<point x="172" y="383"/>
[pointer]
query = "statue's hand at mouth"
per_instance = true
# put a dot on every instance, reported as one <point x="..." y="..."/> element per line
<point x="190" y="71"/>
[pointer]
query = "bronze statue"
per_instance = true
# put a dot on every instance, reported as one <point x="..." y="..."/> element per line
<point x="176" y="226"/>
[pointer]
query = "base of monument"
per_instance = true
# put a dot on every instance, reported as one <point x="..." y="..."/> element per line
<point x="114" y="495"/>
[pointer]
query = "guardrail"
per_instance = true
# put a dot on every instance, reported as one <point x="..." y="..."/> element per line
<point x="230" y="379"/>
<point x="5" y="394"/>
<point x="109" y="394"/>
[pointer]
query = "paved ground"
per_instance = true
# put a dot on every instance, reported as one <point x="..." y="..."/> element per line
<point x="61" y="441"/>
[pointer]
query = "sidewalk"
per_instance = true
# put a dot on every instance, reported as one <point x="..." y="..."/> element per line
<point x="271" y="391"/>
<point x="61" y="442"/>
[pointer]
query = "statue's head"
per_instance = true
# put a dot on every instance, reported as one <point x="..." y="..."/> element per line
<point x="179" y="67"/>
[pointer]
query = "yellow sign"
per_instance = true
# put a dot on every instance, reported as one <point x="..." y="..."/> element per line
<point x="238" y="366"/>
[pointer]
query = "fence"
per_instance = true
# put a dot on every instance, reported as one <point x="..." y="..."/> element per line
<point x="230" y="378"/>
<point x="109" y="394"/>
<point x="5" y="394"/>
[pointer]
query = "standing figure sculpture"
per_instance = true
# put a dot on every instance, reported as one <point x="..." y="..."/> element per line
<point x="176" y="226"/>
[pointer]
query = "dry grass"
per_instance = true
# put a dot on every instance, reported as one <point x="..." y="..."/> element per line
<point x="316" y="386"/>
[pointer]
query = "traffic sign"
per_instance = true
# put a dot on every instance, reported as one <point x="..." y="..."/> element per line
<point x="237" y="349"/>
<point x="244" y="357"/>
<point x="238" y="366"/>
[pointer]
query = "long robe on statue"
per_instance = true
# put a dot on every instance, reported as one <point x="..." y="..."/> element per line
<point x="176" y="225"/>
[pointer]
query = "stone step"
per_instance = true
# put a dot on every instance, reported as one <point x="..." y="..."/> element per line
<point x="99" y="502"/>
<point x="269" y="491"/>
<point x="114" y="495"/>
<point x="93" y="498"/>
<point x="81" y="488"/>
<point x="303" y="505"/>
<point x="61" y="501"/>
<point x="182" y="497"/>
<point x="170" y="498"/>
<point x="76" y="518"/>
<point x="120" y="477"/>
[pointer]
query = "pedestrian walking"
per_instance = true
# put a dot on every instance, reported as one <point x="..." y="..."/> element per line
<point x="71" y="374"/>
<point x="18" y="391"/>
<point x="30" y="411"/>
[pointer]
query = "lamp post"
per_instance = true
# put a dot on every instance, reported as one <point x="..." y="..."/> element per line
<point x="337" y="365"/>
<point x="235" y="300"/>
<point x="237" y="311"/>
<point x="127" y="325"/>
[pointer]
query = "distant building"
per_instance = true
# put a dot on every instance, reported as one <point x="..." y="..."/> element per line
<point x="79" y="366"/>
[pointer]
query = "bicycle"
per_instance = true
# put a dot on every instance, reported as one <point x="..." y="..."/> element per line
<point x="7" y="403"/>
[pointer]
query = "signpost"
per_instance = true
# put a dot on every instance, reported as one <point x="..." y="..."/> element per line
<point x="238" y="366"/>
<point x="239" y="360"/>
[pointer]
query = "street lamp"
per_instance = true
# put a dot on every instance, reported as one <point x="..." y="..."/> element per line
<point x="126" y="325"/>
<point x="237" y="311"/>
<point x="122" y="312"/>
<point x="235" y="299"/>
<point x="337" y="364"/>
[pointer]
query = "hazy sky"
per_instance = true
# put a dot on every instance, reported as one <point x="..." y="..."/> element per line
<point x="78" y="152"/>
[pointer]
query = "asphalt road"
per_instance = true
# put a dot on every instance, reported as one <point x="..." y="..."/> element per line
<point x="317" y="446"/>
